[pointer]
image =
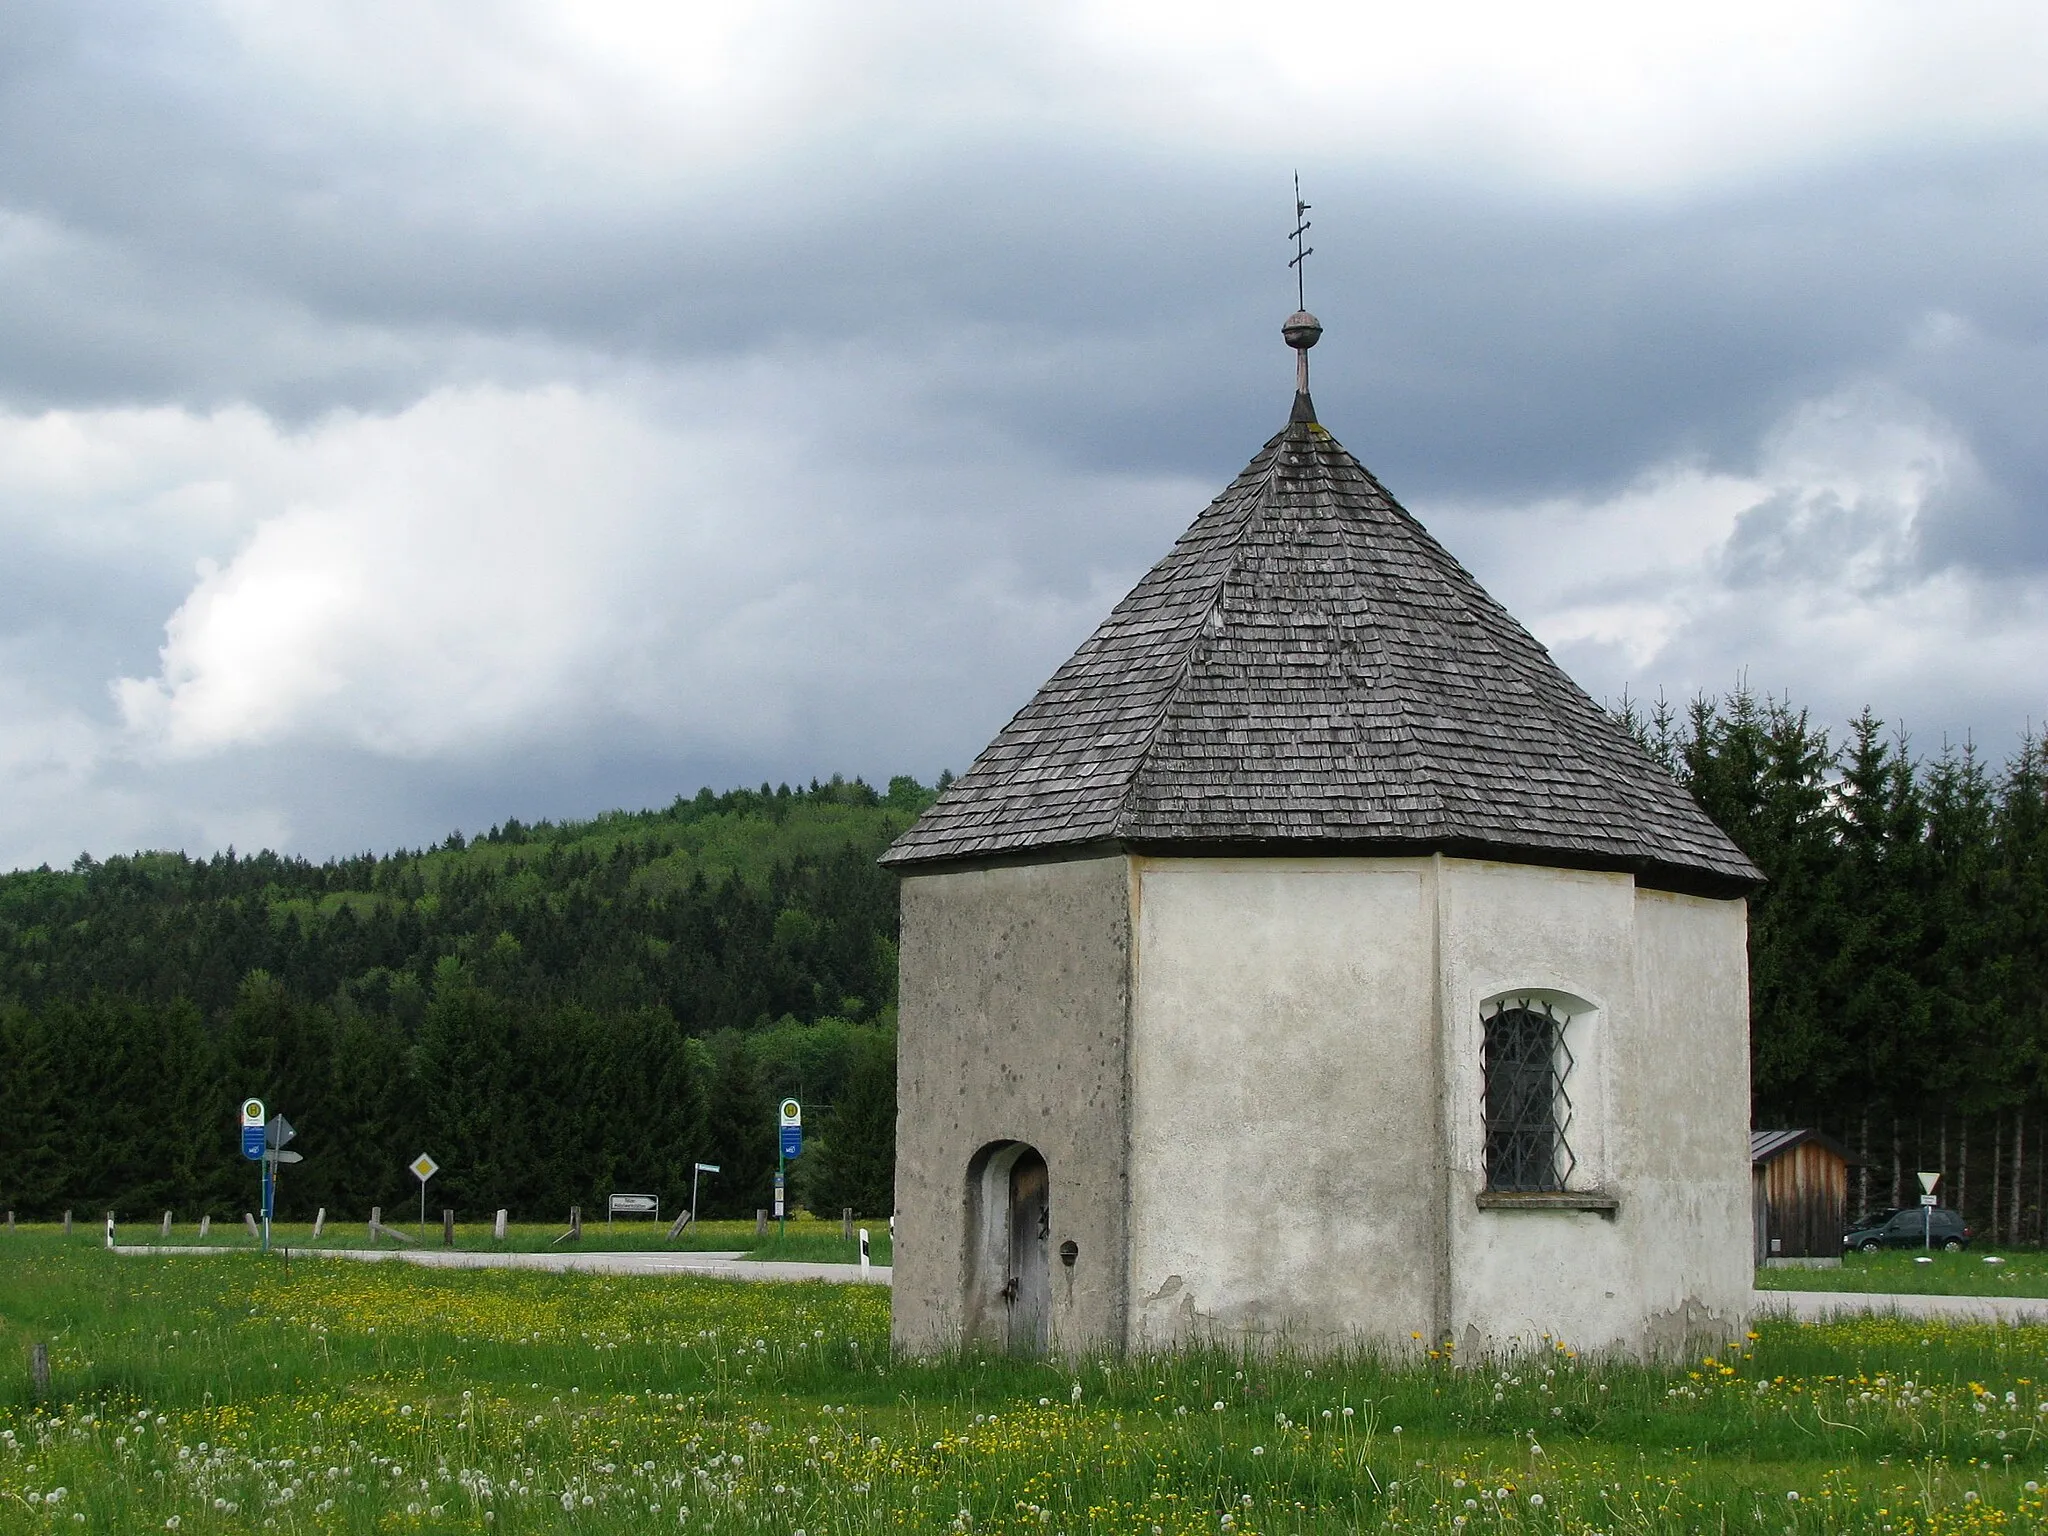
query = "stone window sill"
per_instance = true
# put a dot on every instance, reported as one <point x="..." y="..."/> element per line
<point x="1549" y="1200"/>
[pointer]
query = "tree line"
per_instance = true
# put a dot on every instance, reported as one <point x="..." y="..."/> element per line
<point x="553" y="1012"/>
<point x="1899" y="952"/>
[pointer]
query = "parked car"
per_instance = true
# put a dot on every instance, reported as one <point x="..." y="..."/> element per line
<point x="1911" y="1226"/>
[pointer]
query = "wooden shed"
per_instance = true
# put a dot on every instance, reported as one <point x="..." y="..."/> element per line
<point x="1801" y="1184"/>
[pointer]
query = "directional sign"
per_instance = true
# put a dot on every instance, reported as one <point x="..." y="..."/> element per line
<point x="252" y="1129"/>
<point x="424" y="1167"/>
<point x="275" y="1156"/>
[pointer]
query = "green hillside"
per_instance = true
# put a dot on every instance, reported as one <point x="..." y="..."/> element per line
<point x="558" y="1009"/>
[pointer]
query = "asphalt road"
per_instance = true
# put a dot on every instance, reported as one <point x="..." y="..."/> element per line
<point x="1806" y="1306"/>
<point x="1819" y="1306"/>
<point x="725" y="1266"/>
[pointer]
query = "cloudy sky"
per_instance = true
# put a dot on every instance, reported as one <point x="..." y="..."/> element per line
<point x="414" y="415"/>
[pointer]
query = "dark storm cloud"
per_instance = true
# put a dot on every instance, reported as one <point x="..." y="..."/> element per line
<point x="1486" y="343"/>
<point x="1090" y="320"/>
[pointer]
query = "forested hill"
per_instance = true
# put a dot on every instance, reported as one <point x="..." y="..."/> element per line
<point x="554" y="1011"/>
<point x="726" y="910"/>
<point x="558" y="1010"/>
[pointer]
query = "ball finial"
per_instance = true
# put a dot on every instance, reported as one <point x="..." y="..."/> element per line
<point x="1302" y="330"/>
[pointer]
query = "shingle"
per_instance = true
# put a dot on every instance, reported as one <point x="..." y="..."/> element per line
<point x="1308" y="666"/>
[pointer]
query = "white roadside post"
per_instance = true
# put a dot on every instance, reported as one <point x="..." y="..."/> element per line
<point x="498" y="1226"/>
<point x="1927" y="1183"/>
<point x="863" y="1253"/>
<point x="423" y="1168"/>
<point x="701" y="1168"/>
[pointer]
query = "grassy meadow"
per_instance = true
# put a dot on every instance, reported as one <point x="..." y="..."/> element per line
<point x="1974" y="1272"/>
<point x="233" y="1393"/>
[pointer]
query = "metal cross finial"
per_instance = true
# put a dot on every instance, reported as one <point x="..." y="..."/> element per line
<point x="1301" y="252"/>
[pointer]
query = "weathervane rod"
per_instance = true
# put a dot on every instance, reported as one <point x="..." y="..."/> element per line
<point x="1302" y="328"/>
<point x="1301" y="252"/>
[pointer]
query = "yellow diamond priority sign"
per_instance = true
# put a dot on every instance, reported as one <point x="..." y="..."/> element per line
<point x="424" y="1167"/>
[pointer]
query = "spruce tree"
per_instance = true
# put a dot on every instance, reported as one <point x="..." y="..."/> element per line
<point x="858" y="1156"/>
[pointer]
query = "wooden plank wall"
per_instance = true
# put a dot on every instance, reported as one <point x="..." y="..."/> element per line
<point x="1806" y="1194"/>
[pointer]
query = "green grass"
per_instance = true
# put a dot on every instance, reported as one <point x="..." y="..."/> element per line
<point x="806" y="1239"/>
<point x="2020" y="1272"/>
<point x="819" y="1242"/>
<point x="243" y="1393"/>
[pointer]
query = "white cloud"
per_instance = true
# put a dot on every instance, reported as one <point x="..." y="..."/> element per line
<point x="1600" y="94"/>
<point x="1810" y="572"/>
<point x="526" y="579"/>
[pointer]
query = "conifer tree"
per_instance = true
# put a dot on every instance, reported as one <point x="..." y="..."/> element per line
<point x="858" y="1156"/>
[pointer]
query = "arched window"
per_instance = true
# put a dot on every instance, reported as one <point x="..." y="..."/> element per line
<point x="1528" y="1110"/>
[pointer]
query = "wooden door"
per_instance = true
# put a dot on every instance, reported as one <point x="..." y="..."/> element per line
<point x="1030" y="1286"/>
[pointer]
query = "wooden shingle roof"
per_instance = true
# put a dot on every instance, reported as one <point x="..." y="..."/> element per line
<point x="1308" y="670"/>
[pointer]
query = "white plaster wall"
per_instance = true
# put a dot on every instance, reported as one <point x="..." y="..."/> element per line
<point x="1284" y="1168"/>
<point x="1660" y="1095"/>
<point x="1692" y="1172"/>
<point x="1278" y="1129"/>
<point x="1012" y="1018"/>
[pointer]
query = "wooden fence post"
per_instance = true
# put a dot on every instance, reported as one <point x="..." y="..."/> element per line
<point x="249" y="1220"/>
<point x="167" y="1224"/>
<point x="846" y="1222"/>
<point x="498" y="1226"/>
<point x="67" y="1223"/>
<point x="376" y="1220"/>
<point x="39" y="1367"/>
<point x="760" y="1223"/>
<point x="205" y="1224"/>
<point x="320" y="1221"/>
<point x="447" y="1227"/>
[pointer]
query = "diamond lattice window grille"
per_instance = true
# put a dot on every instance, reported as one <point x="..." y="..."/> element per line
<point x="1527" y="1108"/>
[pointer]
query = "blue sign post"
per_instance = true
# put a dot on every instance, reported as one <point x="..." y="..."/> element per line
<point x="253" y="1129"/>
<point x="791" y="1145"/>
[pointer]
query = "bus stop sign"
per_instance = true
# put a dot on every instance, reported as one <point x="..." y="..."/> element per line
<point x="252" y="1130"/>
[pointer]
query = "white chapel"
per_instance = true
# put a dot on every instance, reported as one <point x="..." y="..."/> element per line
<point x="1311" y="960"/>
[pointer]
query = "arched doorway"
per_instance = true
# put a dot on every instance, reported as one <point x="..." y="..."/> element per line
<point x="1009" y="1225"/>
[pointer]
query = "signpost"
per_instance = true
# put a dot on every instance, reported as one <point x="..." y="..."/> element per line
<point x="275" y="1135"/>
<point x="423" y="1168"/>
<point x="1927" y="1183"/>
<point x="256" y="1148"/>
<point x="632" y="1205"/>
<point x="700" y="1168"/>
<point x="791" y="1146"/>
